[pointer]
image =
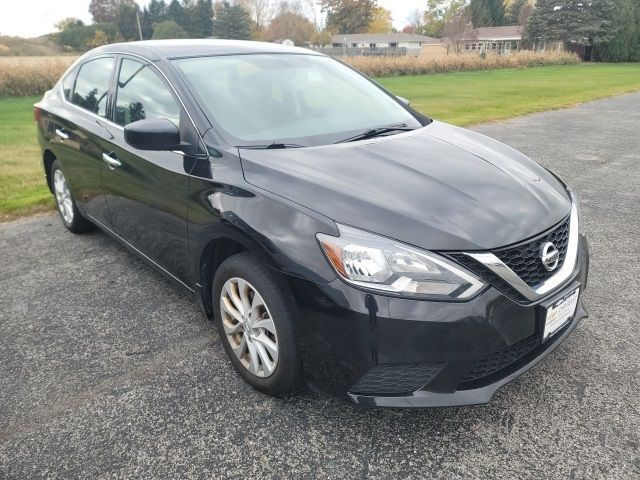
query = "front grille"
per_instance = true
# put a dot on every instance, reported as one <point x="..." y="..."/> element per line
<point x="498" y="361"/>
<point x="395" y="379"/>
<point x="525" y="260"/>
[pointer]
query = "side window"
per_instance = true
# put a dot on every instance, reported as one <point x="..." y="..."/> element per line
<point x="141" y="94"/>
<point x="92" y="85"/>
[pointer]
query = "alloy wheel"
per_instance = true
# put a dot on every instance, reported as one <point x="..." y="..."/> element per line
<point x="249" y="327"/>
<point x="63" y="196"/>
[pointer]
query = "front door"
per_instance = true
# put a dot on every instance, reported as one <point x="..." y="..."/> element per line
<point x="146" y="190"/>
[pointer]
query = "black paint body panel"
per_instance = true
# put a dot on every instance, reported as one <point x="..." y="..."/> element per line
<point x="439" y="188"/>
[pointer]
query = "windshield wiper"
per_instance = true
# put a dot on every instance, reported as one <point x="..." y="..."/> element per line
<point x="271" y="146"/>
<point x="376" y="132"/>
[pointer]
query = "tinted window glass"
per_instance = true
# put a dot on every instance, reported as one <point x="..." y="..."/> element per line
<point x="92" y="85"/>
<point x="141" y="94"/>
<point x="67" y="83"/>
<point x="301" y="99"/>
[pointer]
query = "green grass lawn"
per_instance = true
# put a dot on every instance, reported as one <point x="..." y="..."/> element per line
<point x="22" y="185"/>
<point x="468" y="98"/>
<point x="464" y="98"/>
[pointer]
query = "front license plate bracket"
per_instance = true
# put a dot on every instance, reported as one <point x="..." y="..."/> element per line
<point x="559" y="311"/>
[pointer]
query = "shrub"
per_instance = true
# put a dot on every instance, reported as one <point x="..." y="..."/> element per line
<point x="30" y="75"/>
<point x="408" y="65"/>
<point x="79" y="38"/>
<point x="168" y="29"/>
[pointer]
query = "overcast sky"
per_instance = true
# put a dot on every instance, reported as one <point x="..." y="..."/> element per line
<point x="31" y="18"/>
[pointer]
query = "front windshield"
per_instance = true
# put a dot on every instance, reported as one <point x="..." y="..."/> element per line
<point x="304" y="100"/>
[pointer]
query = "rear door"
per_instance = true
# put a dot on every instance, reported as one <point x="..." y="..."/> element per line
<point x="79" y="131"/>
<point x="146" y="191"/>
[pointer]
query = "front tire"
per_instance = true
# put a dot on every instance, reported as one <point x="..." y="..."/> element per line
<point x="67" y="208"/>
<point x="254" y="317"/>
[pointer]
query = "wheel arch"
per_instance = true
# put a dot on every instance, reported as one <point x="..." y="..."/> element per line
<point x="48" y="157"/>
<point x="226" y="243"/>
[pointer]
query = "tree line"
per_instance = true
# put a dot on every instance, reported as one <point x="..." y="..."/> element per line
<point x="611" y="28"/>
<point x="302" y="21"/>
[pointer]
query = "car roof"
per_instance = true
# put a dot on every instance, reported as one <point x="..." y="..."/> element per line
<point x="171" y="49"/>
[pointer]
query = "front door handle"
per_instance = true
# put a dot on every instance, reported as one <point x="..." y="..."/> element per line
<point x="111" y="160"/>
<point x="62" y="134"/>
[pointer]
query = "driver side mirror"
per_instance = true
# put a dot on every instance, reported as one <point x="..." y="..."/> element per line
<point x="404" y="100"/>
<point x="153" y="134"/>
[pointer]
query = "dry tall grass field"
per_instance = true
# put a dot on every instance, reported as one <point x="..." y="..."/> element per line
<point x="30" y="75"/>
<point x="34" y="75"/>
<point x="396" y="66"/>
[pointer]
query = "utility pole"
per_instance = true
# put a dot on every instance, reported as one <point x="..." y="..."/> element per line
<point x="139" y="29"/>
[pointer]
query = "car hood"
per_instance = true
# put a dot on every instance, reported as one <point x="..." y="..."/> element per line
<point x="440" y="187"/>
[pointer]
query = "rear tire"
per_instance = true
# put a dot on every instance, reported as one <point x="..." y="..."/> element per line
<point x="67" y="208"/>
<point x="254" y="314"/>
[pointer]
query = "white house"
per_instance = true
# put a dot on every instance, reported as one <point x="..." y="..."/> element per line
<point x="383" y="41"/>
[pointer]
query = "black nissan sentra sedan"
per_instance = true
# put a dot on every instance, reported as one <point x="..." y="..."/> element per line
<point x="334" y="234"/>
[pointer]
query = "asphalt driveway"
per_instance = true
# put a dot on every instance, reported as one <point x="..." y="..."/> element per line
<point x="108" y="370"/>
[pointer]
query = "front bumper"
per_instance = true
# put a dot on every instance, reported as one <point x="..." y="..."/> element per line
<point x="382" y="351"/>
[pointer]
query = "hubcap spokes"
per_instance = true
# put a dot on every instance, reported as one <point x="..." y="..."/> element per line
<point x="249" y="327"/>
<point x="63" y="196"/>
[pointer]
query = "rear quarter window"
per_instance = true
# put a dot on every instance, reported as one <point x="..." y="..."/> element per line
<point x="67" y="83"/>
<point x="92" y="85"/>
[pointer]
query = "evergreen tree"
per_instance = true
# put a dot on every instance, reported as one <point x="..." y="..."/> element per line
<point x="201" y="19"/>
<point x="231" y="21"/>
<point x="578" y="21"/>
<point x="487" y="13"/>
<point x="188" y="17"/>
<point x="625" y="45"/>
<point x="152" y="14"/>
<point x="157" y="11"/>
<point x="516" y="11"/>
<point x="146" y="24"/>
<point x="175" y="12"/>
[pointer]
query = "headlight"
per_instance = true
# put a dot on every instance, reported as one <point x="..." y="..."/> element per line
<point x="379" y="263"/>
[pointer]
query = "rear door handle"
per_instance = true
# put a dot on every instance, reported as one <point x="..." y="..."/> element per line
<point x="111" y="160"/>
<point x="62" y="134"/>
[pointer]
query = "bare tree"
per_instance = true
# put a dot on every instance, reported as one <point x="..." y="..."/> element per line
<point x="458" y="28"/>
<point x="415" y="20"/>
<point x="311" y="10"/>
<point x="262" y="11"/>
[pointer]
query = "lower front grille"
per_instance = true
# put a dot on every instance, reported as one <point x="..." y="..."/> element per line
<point x="396" y="379"/>
<point x="498" y="361"/>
